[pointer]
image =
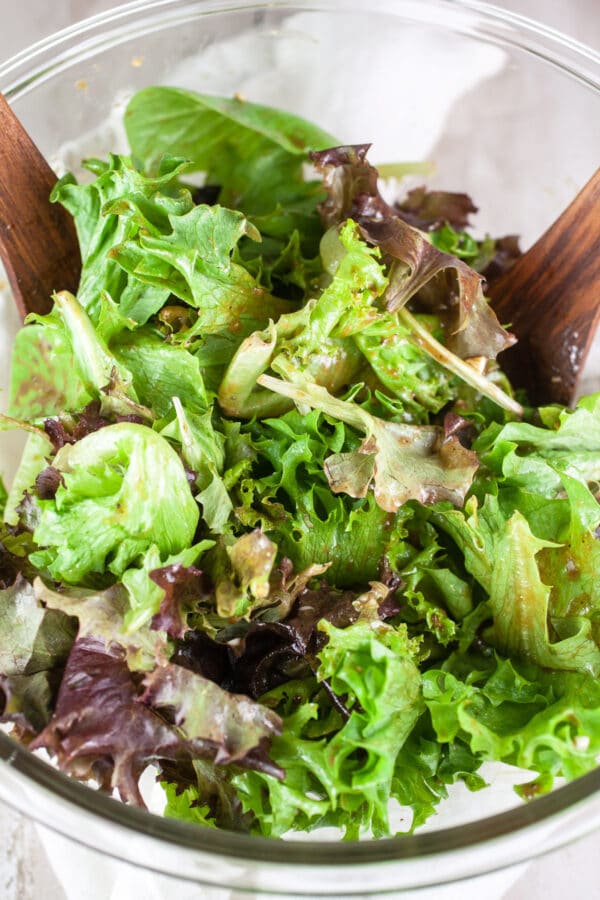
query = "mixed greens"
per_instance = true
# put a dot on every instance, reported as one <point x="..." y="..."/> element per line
<point x="281" y="527"/>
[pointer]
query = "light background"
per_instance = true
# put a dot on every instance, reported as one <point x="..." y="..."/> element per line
<point x="24" y="871"/>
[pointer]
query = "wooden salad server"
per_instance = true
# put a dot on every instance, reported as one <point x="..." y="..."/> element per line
<point x="38" y="243"/>
<point x="550" y="299"/>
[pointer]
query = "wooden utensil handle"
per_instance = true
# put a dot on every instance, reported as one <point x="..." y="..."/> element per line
<point x="38" y="243"/>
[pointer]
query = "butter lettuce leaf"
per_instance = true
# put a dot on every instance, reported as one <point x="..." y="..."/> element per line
<point x="124" y="489"/>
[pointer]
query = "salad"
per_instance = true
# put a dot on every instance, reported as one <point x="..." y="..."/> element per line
<point x="282" y="528"/>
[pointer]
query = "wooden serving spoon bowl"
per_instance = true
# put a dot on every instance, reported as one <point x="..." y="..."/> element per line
<point x="551" y="296"/>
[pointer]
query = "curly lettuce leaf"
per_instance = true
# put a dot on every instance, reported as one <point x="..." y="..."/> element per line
<point x="317" y="339"/>
<point x="533" y="456"/>
<point x="518" y="599"/>
<point x="253" y="153"/>
<point x="228" y="299"/>
<point x="290" y="498"/>
<point x="102" y="219"/>
<point x="546" y="722"/>
<point x="403" y="462"/>
<point x="346" y="778"/>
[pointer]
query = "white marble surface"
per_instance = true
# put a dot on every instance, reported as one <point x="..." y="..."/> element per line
<point x="25" y="873"/>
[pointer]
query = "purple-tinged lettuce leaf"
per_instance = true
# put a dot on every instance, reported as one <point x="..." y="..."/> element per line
<point x="100" y="730"/>
<point x="34" y="646"/>
<point x="101" y="617"/>
<point x="34" y="639"/>
<point x="453" y="288"/>
<point x="407" y="462"/>
<point x="445" y="285"/>
<point x="102" y="375"/>
<point x="145" y="594"/>
<point x="184" y="587"/>
<point x="228" y="728"/>
<point x="272" y="651"/>
<point x="105" y="728"/>
<point x="43" y="380"/>
<point x="429" y="210"/>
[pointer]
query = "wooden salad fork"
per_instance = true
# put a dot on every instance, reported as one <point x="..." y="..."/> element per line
<point x="550" y="298"/>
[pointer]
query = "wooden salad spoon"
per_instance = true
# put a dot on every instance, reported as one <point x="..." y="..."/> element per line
<point x="38" y="243"/>
<point x="550" y="297"/>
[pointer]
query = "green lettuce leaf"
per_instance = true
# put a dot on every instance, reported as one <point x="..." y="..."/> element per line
<point x="253" y="152"/>
<point x="34" y="646"/>
<point x="202" y="450"/>
<point x="228" y="298"/>
<point x="533" y="456"/>
<point x="288" y="495"/>
<point x="518" y="598"/>
<point x="43" y="380"/>
<point x="316" y="340"/>
<point x="404" y="462"/>
<point x="405" y="369"/>
<point x="102" y="214"/>
<point x="545" y="722"/>
<point x="124" y="490"/>
<point x="346" y="778"/>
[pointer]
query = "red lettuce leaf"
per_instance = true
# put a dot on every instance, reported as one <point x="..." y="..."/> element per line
<point x="107" y="725"/>
<point x="270" y="653"/>
<point x="100" y="730"/>
<point x="184" y="587"/>
<point x="441" y="282"/>
<point x="34" y="646"/>
<point x="429" y="210"/>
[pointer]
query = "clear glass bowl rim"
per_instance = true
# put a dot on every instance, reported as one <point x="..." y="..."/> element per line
<point x="47" y="58"/>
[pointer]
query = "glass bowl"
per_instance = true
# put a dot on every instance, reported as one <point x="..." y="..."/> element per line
<point x="509" y="111"/>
